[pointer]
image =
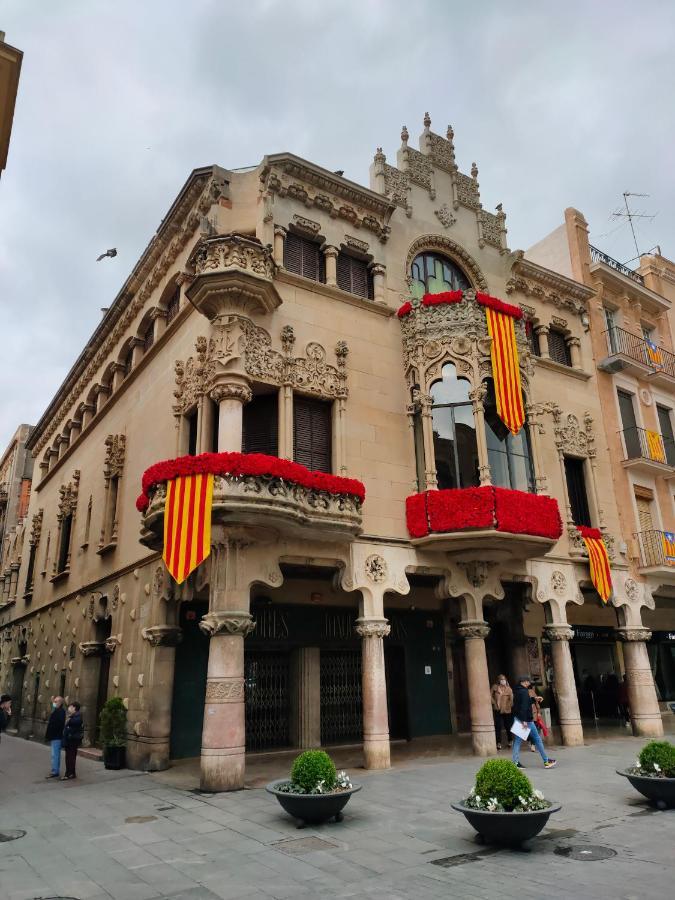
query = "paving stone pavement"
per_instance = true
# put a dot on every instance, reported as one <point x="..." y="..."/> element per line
<point x="132" y="836"/>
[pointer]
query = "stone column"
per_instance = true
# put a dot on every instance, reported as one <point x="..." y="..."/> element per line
<point x="330" y="255"/>
<point x="88" y="410"/>
<point x="540" y="479"/>
<point x="428" y="440"/>
<point x="157" y="735"/>
<point x="230" y="398"/>
<point x="378" y="272"/>
<point x="564" y="687"/>
<point x="279" y="235"/>
<point x="224" y="734"/>
<point x="137" y="351"/>
<point x="306" y="698"/>
<point x="542" y="333"/>
<point x="477" y="396"/>
<point x="482" y="721"/>
<point x="374" y="689"/>
<point x="75" y="430"/>
<point x="645" y="715"/>
<point x="205" y="419"/>
<point x="575" y="352"/>
<point x="285" y="426"/>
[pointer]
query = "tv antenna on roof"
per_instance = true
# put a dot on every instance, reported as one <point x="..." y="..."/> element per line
<point x="630" y="215"/>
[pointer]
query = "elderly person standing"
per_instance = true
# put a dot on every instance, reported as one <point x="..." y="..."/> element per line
<point x="502" y="704"/>
<point x="54" y="734"/>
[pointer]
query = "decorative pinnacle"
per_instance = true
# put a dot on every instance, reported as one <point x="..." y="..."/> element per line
<point x="427" y="120"/>
<point x="404" y="135"/>
<point x="450" y="134"/>
<point x="474" y="170"/>
<point x="379" y="155"/>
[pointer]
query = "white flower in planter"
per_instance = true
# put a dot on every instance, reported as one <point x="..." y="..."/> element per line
<point x="657" y="767"/>
<point x="539" y="795"/>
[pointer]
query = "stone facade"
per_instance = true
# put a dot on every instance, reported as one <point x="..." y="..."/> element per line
<point x="314" y="619"/>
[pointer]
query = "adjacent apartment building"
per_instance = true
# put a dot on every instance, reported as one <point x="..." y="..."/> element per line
<point x="287" y="311"/>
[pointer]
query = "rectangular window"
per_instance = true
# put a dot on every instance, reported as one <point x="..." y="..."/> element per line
<point x="532" y="338"/>
<point x="62" y="686"/>
<point x="215" y="421"/>
<point x="110" y="527"/>
<point x="260" y="426"/>
<point x="192" y="423"/>
<point x="631" y="435"/>
<point x="304" y="257"/>
<point x="312" y="433"/>
<point x="558" y="349"/>
<point x="666" y="426"/>
<point x="353" y="276"/>
<point x="126" y="362"/>
<point x="64" y="546"/>
<point x="31" y="569"/>
<point x="148" y="337"/>
<point x="173" y="306"/>
<point x="576" y="489"/>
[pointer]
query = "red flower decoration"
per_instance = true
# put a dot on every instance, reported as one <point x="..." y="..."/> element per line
<point x="444" y="297"/>
<point x="239" y="464"/>
<point x="586" y="532"/>
<point x="416" y="515"/>
<point x="495" y="303"/>
<point x="521" y="513"/>
<point x="455" y="510"/>
<point x="404" y="310"/>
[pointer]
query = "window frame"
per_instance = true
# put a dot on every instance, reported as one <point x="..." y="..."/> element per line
<point x="462" y="282"/>
<point x="566" y="353"/>
<point x="304" y="243"/>
<point x="464" y="404"/>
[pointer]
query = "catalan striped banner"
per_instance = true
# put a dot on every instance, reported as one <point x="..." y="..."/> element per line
<point x="668" y="542"/>
<point x="598" y="561"/>
<point x="506" y="369"/>
<point x="187" y="523"/>
<point x="655" y="446"/>
<point x="654" y="354"/>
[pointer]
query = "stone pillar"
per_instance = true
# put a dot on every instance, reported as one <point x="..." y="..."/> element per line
<point x="575" y="352"/>
<point x="157" y="734"/>
<point x="75" y="429"/>
<point x="230" y="399"/>
<point x="285" y="425"/>
<point x="306" y="698"/>
<point x="482" y="721"/>
<point x="520" y="664"/>
<point x="378" y="273"/>
<point x="159" y="318"/>
<point x="564" y="686"/>
<point x="279" y="235"/>
<point x="137" y="351"/>
<point x="428" y="440"/>
<point x="540" y="479"/>
<point x="645" y="715"/>
<point x="542" y="333"/>
<point x="477" y="396"/>
<point x="118" y="376"/>
<point x="376" y="752"/>
<point x="330" y="255"/>
<point x="224" y="734"/>
<point x="88" y="410"/>
<point x="205" y="442"/>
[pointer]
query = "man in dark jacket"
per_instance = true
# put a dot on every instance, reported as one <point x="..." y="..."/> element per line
<point x="72" y="738"/>
<point x="54" y="734"/>
<point x="523" y="716"/>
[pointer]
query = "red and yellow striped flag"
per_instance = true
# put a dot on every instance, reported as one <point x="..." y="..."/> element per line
<point x="505" y="363"/>
<point x="187" y="523"/>
<point x="655" y="446"/>
<point x="598" y="561"/>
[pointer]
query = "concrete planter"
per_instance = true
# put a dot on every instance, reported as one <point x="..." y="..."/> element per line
<point x="661" y="791"/>
<point x="312" y="809"/>
<point x="509" y="829"/>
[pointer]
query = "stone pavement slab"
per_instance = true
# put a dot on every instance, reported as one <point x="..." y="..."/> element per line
<point x="133" y="836"/>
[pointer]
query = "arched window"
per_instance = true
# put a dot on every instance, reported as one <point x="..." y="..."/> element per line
<point x="455" y="447"/>
<point x="433" y="274"/>
<point x="508" y="454"/>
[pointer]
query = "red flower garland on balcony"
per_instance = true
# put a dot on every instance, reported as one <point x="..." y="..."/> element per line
<point x="404" y="310"/>
<point x="460" y="508"/>
<point x="521" y="513"/>
<point x="442" y="298"/>
<point x="240" y="464"/>
<point x="495" y="303"/>
<point x="416" y="515"/>
<point x="587" y="532"/>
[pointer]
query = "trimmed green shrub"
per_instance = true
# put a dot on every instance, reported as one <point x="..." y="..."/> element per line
<point x="113" y="723"/>
<point x="311" y="768"/>
<point x="660" y="752"/>
<point x="503" y="780"/>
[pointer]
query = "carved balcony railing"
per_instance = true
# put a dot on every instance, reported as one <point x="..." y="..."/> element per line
<point x="599" y="256"/>
<point x="492" y="522"/>
<point x="266" y="496"/>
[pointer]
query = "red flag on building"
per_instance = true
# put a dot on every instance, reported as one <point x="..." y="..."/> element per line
<point x="187" y="523"/>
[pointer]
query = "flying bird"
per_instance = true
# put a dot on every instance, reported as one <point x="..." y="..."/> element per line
<point x="109" y="253"/>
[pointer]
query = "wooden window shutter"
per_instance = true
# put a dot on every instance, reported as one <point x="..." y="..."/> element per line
<point x="312" y="433"/>
<point x="353" y="276"/>
<point x="304" y="257"/>
<point x="558" y="349"/>
<point x="260" y="428"/>
<point x="644" y="511"/>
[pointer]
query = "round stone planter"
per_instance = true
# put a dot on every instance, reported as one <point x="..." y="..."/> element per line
<point x="661" y="791"/>
<point x="509" y="829"/>
<point x="312" y="809"/>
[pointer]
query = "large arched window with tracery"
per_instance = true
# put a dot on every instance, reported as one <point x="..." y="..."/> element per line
<point x="509" y="454"/>
<point x="455" y="446"/>
<point x="432" y="273"/>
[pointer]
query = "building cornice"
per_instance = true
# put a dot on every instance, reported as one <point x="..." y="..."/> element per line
<point x="565" y="286"/>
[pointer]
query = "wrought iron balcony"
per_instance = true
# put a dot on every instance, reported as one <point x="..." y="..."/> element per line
<point x="647" y="451"/>
<point x="656" y="554"/>
<point x="635" y="355"/>
<point x="599" y="256"/>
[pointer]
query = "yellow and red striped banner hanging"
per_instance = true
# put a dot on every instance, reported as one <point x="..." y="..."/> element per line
<point x="598" y="561"/>
<point x="187" y="523"/>
<point x="501" y="318"/>
<point x="655" y="447"/>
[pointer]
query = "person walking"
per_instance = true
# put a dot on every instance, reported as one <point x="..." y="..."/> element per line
<point x="536" y="716"/>
<point x="73" y="733"/>
<point x="5" y="711"/>
<point x="522" y="714"/>
<point x="502" y="703"/>
<point x="54" y="734"/>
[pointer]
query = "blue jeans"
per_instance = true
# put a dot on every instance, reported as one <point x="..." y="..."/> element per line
<point x="538" y="743"/>
<point x="56" y="756"/>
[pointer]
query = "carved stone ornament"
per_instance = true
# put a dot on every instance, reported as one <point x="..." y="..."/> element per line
<point x="36" y="528"/>
<point x="633" y="634"/>
<point x="239" y="623"/>
<point x="92" y="648"/>
<point x="162" y="635"/>
<point x="68" y="497"/>
<point x="372" y="628"/>
<point x="558" y="632"/>
<point x="445" y="216"/>
<point x="231" y="391"/>
<point x="558" y="583"/>
<point x="225" y="691"/>
<point x="477" y="571"/>
<point x="115" y="598"/>
<point x="306" y="225"/>
<point x="448" y="247"/>
<point x="631" y="589"/>
<point x="571" y="436"/>
<point x="376" y="568"/>
<point x="473" y="630"/>
<point x="356" y="244"/>
<point x="112" y="643"/>
<point x="115" y="448"/>
<point x="158" y="581"/>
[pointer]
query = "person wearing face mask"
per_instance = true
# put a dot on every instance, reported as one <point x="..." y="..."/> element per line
<point x="502" y="704"/>
<point x="54" y="734"/>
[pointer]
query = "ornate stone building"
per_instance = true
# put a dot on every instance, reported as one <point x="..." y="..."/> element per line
<point x="280" y="310"/>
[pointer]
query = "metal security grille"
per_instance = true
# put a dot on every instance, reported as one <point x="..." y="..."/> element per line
<point x="267" y="678"/>
<point x="341" y="716"/>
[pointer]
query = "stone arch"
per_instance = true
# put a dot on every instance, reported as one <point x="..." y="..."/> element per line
<point x="451" y="249"/>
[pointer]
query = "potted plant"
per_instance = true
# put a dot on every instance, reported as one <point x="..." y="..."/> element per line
<point x="503" y="807"/>
<point x="653" y="774"/>
<point x="113" y="733"/>
<point x="315" y="792"/>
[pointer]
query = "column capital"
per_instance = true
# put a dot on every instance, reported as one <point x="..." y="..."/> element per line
<point x="280" y="230"/>
<point x="231" y="391"/>
<point x="561" y="632"/>
<point x="375" y="628"/>
<point x="377" y="269"/>
<point x="231" y="622"/>
<point x="473" y="629"/>
<point x="633" y="634"/>
<point x="162" y="635"/>
<point x="330" y="250"/>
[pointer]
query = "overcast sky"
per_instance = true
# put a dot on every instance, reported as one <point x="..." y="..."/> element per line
<point x="559" y="104"/>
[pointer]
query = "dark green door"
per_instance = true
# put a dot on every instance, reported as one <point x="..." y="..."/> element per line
<point x="189" y="685"/>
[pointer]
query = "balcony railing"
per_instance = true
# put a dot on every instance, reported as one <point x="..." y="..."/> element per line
<point x="657" y="548"/>
<point x="599" y="256"/>
<point x="624" y="343"/>
<point x="640" y="443"/>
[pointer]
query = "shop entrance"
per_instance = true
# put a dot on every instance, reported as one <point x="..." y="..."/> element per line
<point x="341" y="703"/>
<point x="189" y="683"/>
<point x="397" y="695"/>
<point x="596" y="672"/>
<point x="267" y="676"/>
